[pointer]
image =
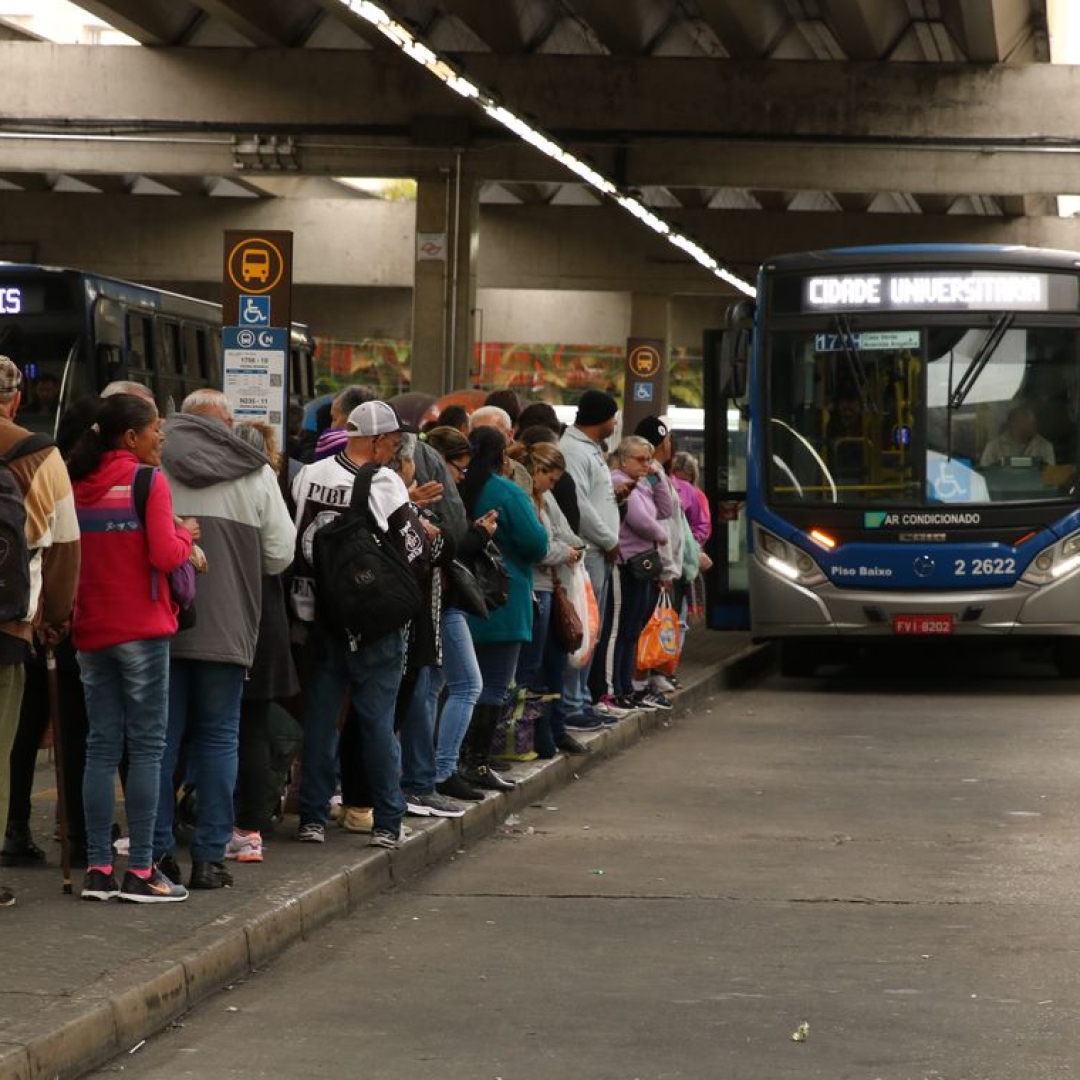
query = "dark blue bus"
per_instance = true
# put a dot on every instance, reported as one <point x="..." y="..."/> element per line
<point x="910" y="423"/>
<point x="72" y="332"/>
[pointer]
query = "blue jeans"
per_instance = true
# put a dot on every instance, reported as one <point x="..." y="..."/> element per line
<point x="204" y="718"/>
<point x="498" y="662"/>
<point x="575" y="693"/>
<point x="461" y="674"/>
<point x="531" y="656"/>
<point x="127" y="703"/>
<point x="417" y="735"/>
<point x="369" y="748"/>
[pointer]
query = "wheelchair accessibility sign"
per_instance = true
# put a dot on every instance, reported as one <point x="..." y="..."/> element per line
<point x="643" y="391"/>
<point x="254" y="310"/>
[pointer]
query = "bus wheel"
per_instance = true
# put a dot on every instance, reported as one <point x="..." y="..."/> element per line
<point x="799" y="659"/>
<point x="1067" y="657"/>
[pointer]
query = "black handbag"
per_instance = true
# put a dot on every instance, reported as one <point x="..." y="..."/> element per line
<point x="489" y="568"/>
<point x="645" y="566"/>
<point x="466" y="592"/>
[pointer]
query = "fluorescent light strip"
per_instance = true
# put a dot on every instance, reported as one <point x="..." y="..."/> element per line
<point x="443" y="70"/>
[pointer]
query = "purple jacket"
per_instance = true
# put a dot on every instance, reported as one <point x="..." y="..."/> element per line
<point x="645" y="509"/>
<point x="695" y="508"/>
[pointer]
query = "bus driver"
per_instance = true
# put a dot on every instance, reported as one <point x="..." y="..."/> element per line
<point x="1020" y="438"/>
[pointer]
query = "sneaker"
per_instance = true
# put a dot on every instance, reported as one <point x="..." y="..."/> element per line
<point x="209" y="875"/>
<point x="7" y="897"/>
<point x="643" y="701"/>
<point x="245" y="846"/>
<point x="384" y="838"/>
<point x="605" y="718"/>
<point x="629" y="703"/>
<point x="98" y="885"/>
<point x="608" y="704"/>
<point x="657" y="700"/>
<point x="311" y="832"/>
<point x="583" y="722"/>
<point x="171" y="869"/>
<point x="661" y="684"/>
<point x="156" y="889"/>
<point x="357" y="818"/>
<point x="336" y="809"/>
<point x="433" y="805"/>
<point x="569" y="745"/>
<point x="456" y="786"/>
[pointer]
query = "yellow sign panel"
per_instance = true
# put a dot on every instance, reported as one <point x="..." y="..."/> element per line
<point x="255" y="265"/>
<point x="645" y="361"/>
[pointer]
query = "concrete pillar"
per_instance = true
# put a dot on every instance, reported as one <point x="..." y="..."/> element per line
<point x="444" y="291"/>
<point x="650" y="320"/>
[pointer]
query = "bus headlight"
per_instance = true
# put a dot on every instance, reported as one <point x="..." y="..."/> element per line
<point x="787" y="560"/>
<point x="1055" y="562"/>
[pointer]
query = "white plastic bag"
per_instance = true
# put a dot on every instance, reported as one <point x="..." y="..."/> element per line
<point x="580" y="591"/>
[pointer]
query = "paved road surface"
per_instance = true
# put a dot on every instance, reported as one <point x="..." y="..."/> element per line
<point x="893" y="861"/>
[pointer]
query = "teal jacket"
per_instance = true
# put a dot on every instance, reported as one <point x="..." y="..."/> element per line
<point x="523" y="540"/>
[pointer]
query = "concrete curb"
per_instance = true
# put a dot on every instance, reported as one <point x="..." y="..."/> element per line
<point x="94" y="1026"/>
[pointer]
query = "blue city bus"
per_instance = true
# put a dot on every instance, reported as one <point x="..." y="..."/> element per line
<point x="910" y="419"/>
<point x="72" y="332"/>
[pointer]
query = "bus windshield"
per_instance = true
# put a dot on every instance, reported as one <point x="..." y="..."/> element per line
<point x="947" y="413"/>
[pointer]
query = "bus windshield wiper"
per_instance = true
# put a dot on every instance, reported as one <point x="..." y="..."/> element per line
<point x="980" y="360"/>
<point x="855" y="363"/>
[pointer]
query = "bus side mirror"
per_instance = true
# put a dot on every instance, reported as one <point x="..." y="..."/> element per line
<point x="735" y="344"/>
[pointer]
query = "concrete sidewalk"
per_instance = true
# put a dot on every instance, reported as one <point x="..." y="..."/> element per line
<point x="83" y="983"/>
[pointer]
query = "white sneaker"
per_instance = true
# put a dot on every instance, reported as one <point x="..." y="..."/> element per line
<point x="245" y="846"/>
<point x="661" y="683"/>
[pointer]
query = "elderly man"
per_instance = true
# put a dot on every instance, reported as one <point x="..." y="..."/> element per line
<point x="367" y="672"/>
<point x="582" y="447"/>
<point x="246" y="533"/>
<point x="498" y="418"/>
<point x="52" y="540"/>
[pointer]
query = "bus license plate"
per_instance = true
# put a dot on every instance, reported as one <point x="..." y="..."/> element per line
<point x="922" y="624"/>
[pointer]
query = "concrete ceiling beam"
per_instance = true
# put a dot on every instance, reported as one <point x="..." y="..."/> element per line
<point x="591" y="98"/>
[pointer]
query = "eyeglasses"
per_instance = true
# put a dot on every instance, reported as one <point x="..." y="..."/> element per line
<point x="463" y="469"/>
<point x="646" y="458"/>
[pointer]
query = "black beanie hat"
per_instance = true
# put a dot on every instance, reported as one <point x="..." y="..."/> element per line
<point x="652" y="428"/>
<point x="595" y="407"/>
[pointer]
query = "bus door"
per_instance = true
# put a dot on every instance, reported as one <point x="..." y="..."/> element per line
<point x="727" y="595"/>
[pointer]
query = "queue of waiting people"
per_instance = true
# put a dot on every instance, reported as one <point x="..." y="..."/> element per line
<point x="393" y="724"/>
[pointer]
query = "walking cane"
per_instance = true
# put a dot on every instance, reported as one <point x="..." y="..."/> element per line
<point x="58" y="757"/>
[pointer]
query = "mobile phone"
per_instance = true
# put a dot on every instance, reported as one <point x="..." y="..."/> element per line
<point x="653" y="479"/>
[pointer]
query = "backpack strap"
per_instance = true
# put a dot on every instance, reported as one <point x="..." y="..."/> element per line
<point x="361" y="492"/>
<point x="140" y="490"/>
<point x="28" y="445"/>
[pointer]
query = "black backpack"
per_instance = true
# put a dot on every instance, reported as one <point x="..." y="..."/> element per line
<point x="363" y="585"/>
<point x="14" y="553"/>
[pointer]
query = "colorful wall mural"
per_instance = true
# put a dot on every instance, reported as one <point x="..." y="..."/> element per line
<point x="558" y="374"/>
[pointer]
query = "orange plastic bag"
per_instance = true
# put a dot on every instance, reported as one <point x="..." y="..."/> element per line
<point x="660" y="643"/>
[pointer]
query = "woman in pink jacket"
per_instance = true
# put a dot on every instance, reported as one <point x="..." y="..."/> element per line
<point x="124" y="618"/>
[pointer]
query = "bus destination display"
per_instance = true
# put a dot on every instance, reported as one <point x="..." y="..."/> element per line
<point x="22" y="300"/>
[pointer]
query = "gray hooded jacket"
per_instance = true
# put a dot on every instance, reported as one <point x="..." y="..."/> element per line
<point x="246" y="532"/>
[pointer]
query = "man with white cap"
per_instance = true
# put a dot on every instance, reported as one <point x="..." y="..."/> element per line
<point x="371" y="673"/>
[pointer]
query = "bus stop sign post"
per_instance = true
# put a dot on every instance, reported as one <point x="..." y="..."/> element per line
<point x="257" y="315"/>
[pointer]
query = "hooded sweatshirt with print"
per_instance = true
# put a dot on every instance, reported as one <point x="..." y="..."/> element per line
<point x="246" y="532"/>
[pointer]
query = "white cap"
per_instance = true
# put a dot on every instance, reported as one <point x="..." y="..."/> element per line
<point x="374" y="418"/>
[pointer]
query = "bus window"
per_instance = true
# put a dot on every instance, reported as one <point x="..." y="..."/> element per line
<point x="168" y="348"/>
<point x="139" y="343"/>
